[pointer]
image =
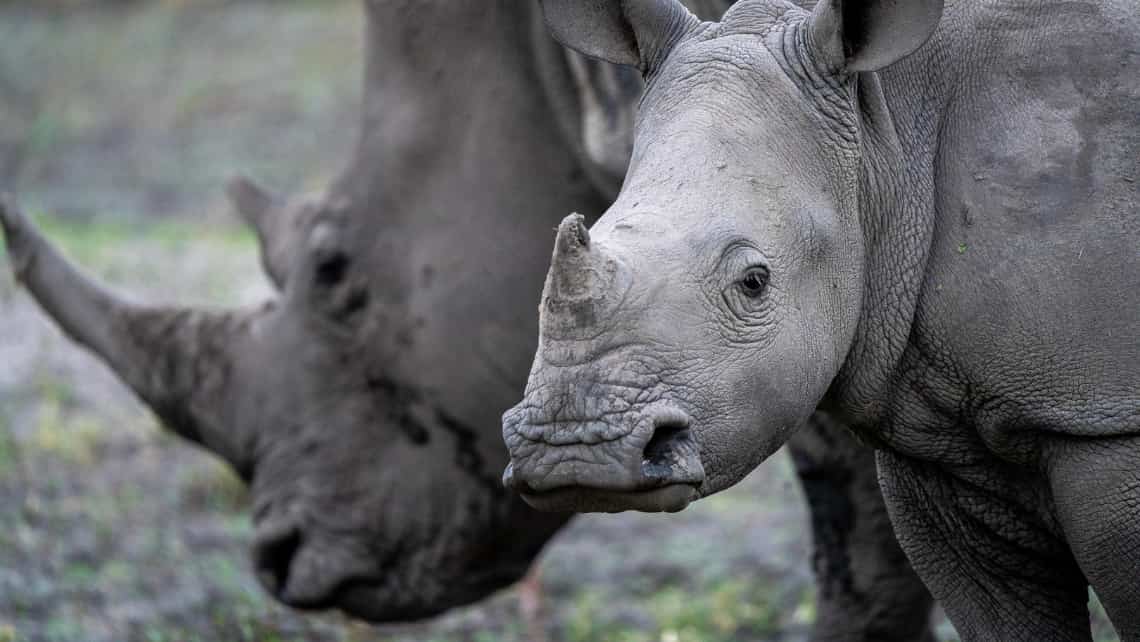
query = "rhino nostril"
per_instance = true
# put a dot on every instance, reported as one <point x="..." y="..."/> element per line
<point x="512" y="482"/>
<point x="667" y="434"/>
<point x="273" y="557"/>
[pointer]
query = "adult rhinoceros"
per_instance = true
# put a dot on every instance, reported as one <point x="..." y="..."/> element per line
<point x="940" y="249"/>
<point x="363" y="403"/>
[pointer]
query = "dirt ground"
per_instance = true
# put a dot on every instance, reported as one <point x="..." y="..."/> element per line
<point x="117" y="129"/>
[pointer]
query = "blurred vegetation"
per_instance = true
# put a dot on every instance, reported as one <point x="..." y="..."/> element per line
<point x="143" y="109"/>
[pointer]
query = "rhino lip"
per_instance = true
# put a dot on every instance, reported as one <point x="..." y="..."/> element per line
<point x="670" y="498"/>
<point x="337" y="597"/>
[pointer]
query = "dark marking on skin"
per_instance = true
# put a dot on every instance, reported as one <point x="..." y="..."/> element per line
<point x="310" y="447"/>
<point x="583" y="313"/>
<point x="205" y="377"/>
<point x="399" y="403"/>
<point x="427" y="275"/>
<point x="405" y="337"/>
<point x="467" y="454"/>
<point x="357" y="301"/>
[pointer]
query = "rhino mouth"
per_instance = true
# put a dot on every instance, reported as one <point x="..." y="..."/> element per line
<point x="667" y="499"/>
<point x="384" y="602"/>
<point x="393" y="600"/>
<point x="663" y="473"/>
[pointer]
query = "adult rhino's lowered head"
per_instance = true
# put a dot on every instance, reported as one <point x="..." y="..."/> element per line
<point x="925" y="225"/>
<point x="368" y="496"/>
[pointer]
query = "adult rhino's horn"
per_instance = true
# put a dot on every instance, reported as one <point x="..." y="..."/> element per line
<point x="178" y="360"/>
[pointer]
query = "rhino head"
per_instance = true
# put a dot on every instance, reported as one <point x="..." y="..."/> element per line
<point x="706" y="314"/>
<point x="368" y="495"/>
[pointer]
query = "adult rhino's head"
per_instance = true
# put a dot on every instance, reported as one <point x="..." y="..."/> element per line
<point x="367" y="495"/>
<point x="706" y="314"/>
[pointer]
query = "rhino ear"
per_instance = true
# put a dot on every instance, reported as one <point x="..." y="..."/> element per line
<point x="625" y="32"/>
<point x="257" y="206"/>
<point x="251" y="201"/>
<point x="867" y="35"/>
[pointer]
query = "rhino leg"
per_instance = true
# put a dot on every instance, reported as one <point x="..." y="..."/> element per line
<point x="866" y="587"/>
<point x="1096" y="487"/>
<point x="1002" y="573"/>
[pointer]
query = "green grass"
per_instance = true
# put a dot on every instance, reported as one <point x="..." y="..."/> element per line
<point x="72" y="438"/>
<point x="89" y="241"/>
<point x="105" y="245"/>
<point x="148" y="110"/>
<point x="9" y="452"/>
<point x="216" y="488"/>
<point x="723" y="611"/>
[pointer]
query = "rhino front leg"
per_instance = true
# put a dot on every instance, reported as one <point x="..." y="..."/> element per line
<point x="1096" y="487"/>
<point x="866" y="587"/>
<point x="1000" y="572"/>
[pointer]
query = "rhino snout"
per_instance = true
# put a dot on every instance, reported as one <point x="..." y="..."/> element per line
<point x="654" y="467"/>
<point x="303" y="572"/>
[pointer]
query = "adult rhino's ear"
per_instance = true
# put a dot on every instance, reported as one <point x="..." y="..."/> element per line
<point x="867" y="35"/>
<point x="257" y="207"/>
<point x="638" y="33"/>
<point x="252" y="201"/>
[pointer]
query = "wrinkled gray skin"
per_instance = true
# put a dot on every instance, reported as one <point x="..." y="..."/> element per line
<point x="362" y="403"/>
<point x="941" y="250"/>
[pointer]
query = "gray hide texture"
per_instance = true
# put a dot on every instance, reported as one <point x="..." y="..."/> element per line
<point x="362" y="403"/>
<point x="922" y="220"/>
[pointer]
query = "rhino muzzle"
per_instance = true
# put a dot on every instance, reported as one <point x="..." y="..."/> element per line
<point x="582" y="467"/>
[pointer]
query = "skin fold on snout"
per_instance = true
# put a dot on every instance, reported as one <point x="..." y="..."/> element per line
<point x="571" y="465"/>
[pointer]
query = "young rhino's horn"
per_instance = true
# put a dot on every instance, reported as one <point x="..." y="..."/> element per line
<point x="570" y="273"/>
<point x="579" y="279"/>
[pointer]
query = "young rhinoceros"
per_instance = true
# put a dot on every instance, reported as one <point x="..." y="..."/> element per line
<point x="940" y="249"/>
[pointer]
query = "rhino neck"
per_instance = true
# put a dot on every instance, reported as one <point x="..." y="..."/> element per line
<point x="896" y="210"/>
<point x="430" y="68"/>
<point x="461" y="175"/>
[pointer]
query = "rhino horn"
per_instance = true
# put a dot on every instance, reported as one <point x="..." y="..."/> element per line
<point x="179" y="361"/>
<point x="570" y="273"/>
<point x="580" y="279"/>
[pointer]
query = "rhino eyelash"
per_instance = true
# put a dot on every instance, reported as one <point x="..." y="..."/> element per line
<point x="754" y="283"/>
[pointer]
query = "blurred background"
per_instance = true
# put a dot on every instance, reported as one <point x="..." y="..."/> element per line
<point x="119" y="123"/>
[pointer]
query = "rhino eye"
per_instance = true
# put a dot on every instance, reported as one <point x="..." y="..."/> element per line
<point x="754" y="282"/>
